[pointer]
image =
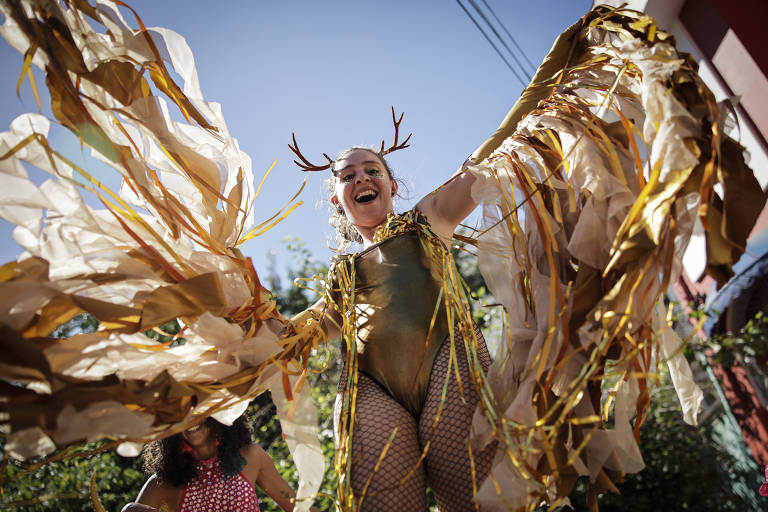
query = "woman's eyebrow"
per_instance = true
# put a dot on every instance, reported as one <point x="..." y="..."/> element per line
<point x="365" y="162"/>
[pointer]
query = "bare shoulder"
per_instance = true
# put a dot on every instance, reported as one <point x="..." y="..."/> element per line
<point x="255" y="458"/>
<point x="253" y="452"/>
<point x="138" y="507"/>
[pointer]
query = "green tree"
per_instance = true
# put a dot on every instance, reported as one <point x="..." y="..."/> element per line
<point x="303" y="271"/>
<point x="685" y="469"/>
<point x="65" y="485"/>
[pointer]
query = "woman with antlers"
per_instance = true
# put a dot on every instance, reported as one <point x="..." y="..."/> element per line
<point x="407" y="392"/>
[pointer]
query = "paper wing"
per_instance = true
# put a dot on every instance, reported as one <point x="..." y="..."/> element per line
<point x="590" y="191"/>
<point x="164" y="248"/>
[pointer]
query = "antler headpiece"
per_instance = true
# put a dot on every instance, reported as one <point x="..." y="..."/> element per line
<point x="306" y="165"/>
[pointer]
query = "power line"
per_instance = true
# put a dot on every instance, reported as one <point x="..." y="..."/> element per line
<point x="514" y="41"/>
<point x="487" y="22"/>
<point x="525" y="84"/>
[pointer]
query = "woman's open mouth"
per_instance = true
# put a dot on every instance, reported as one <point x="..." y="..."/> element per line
<point x="194" y="429"/>
<point x="366" y="196"/>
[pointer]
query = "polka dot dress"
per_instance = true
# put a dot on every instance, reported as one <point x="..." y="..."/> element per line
<point x="211" y="492"/>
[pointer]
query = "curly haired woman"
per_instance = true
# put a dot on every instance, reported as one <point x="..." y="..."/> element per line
<point x="209" y="467"/>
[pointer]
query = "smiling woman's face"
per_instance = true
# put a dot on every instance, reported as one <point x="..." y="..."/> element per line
<point x="198" y="435"/>
<point x="364" y="188"/>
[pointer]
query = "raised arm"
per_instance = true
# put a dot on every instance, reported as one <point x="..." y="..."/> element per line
<point x="447" y="206"/>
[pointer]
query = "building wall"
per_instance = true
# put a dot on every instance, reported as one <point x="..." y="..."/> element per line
<point x="725" y="37"/>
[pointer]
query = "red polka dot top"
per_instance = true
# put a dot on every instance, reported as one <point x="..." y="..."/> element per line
<point x="212" y="492"/>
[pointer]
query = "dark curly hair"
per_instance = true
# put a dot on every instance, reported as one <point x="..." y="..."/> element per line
<point x="166" y="459"/>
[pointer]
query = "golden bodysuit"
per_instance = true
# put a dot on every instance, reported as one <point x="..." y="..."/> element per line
<point x="400" y="305"/>
<point x="397" y="288"/>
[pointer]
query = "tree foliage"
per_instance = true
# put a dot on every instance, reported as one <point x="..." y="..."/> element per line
<point x="64" y="485"/>
<point x="750" y="342"/>
<point x="685" y="469"/>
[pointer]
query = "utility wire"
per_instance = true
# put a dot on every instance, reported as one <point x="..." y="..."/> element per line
<point x="487" y="22"/>
<point x="514" y="41"/>
<point x="525" y="84"/>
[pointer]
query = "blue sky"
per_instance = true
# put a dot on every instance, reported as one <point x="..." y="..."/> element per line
<point x="329" y="71"/>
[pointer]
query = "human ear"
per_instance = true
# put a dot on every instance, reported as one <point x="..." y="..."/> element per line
<point x="394" y="188"/>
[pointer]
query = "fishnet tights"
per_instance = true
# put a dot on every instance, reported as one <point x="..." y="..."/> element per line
<point x="378" y="414"/>
<point x="447" y="464"/>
